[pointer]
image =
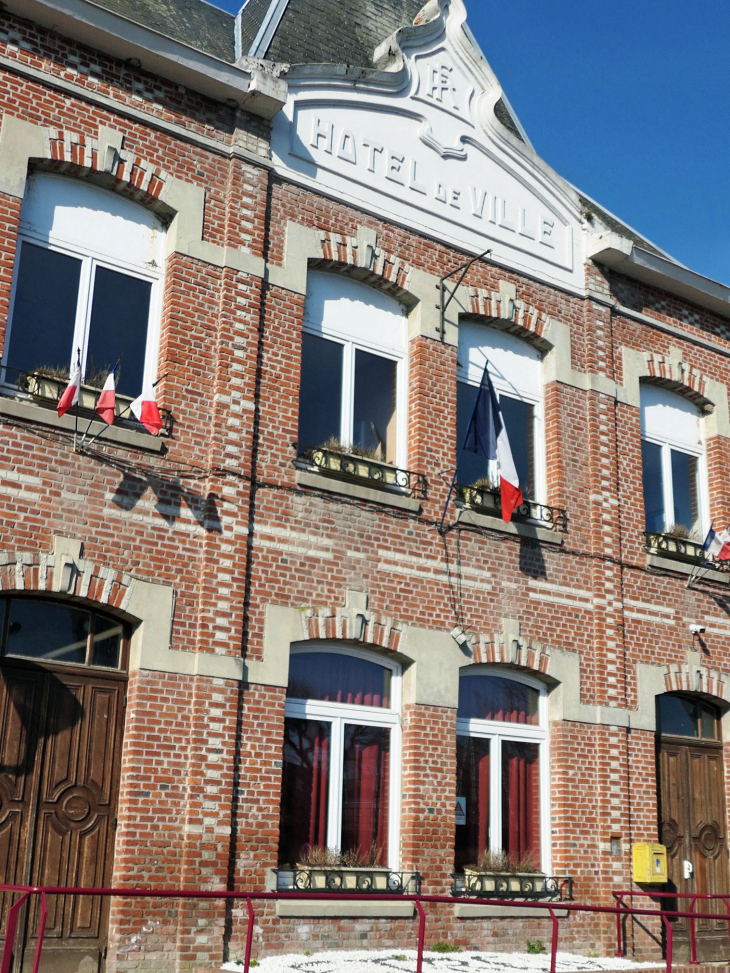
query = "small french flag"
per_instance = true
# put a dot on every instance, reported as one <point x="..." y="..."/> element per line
<point x="718" y="545"/>
<point x="71" y="393"/>
<point x="145" y="409"/>
<point x="106" y="406"/>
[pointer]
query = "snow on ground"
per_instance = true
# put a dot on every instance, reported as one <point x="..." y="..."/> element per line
<point x="393" y="961"/>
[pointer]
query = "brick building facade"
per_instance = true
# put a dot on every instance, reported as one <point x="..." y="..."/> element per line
<point x="230" y="647"/>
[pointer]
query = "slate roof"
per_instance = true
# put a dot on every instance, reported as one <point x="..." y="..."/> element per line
<point x="192" y="22"/>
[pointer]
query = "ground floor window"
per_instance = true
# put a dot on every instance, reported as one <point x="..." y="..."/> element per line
<point x="340" y="760"/>
<point x="501" y="755"/>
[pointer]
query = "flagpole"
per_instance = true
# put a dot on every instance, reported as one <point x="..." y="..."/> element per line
<point x="463" y="446"/>
<point x="78" y="399"/>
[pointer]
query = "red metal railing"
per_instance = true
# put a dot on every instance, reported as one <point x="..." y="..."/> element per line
<point x="694" y="896"/>
<point x="620" y="909"/>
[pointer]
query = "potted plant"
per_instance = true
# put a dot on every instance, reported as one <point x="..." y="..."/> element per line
<point x="498" y="873"/>
<point x="349" y="460"/>
<point x="328" y="869"/>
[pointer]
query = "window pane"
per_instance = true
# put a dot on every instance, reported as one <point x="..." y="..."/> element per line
<point x="320" y="393"/>
<point x="521" y="803"/>
<point x="44" y="313"/>
<point x="338" y="679"/>
<point x="42" y="630"/>
<point x="684" y="487"/>
<point x="678" y="716"/>
<point x="120" y="311"/>
<point x="708" y="722"/>
<point x="651" y="455"/>
<point x="304" y="788"/>
<point x="472" y="798"/>
<point x="494" y="698"/>
<point x="374" y="413"/>
<point x="106" y="643"/>
<point x="472" y="468"/>
<point x="365" y="792"/>
<point x="519" y="420"/>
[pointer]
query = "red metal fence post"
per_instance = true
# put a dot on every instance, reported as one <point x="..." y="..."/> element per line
<point x="554" y="943"/>
<point x="670" y="934"/>
<point x="727" y="907"/>
<point x="692" y="934"/>
<point x="421" y="936"/>
<point x="41" y="933"/>
<point x="619" y="928"/>
<point x="7" y="959"/>
<point x="249" y="935"/>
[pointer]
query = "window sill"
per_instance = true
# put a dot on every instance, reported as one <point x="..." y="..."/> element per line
<point x="478" y="519"/>
<point x="28" y="411"/>
<point x="321" y="481"/>
<point x="668" y="563"/>
<point x="316" y="908"/>
<point x="474" y="910"/>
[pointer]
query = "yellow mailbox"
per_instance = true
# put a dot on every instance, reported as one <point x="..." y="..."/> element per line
<point x="650" y="863"/>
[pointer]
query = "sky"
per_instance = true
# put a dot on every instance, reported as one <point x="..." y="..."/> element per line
<point x="630" y="101"/>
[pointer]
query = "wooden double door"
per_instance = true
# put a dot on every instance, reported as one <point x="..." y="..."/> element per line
<point x="60" y="744"/>
<point x="694" y="830"/>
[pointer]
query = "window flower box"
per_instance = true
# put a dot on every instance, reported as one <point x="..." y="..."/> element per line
<point x="347" y="878"/>
<point x="513" y="885"/>
<point x="489" y="502"/>
<point x="364" y="469"/>
<point x="676" y="547"/>
<point x="47" y="391"/>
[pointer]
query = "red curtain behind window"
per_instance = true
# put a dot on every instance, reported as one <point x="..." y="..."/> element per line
<point x="521" y="800"/>
<point x="365" y="791"/>
<point x="472" y="784"/>
<point x="304" y="788"/>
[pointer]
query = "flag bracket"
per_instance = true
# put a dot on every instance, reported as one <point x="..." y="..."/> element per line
<point x="463" y="270"/>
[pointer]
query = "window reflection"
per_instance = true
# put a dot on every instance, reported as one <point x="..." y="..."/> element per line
<point x="490" y="697"/>
<point x="686" y="717"/>
<point x="338" y="678"/>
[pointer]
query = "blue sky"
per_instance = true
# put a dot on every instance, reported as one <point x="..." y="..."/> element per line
<point x="630" y="101"/>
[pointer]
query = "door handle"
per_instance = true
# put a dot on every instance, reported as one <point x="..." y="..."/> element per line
<point x="688" y="869"/>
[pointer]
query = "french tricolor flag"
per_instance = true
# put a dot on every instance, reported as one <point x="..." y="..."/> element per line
<point x="487" y="436"/>
<point x="145" y="409"/>
<point x="106" y="405"/>
<point x="718" y="545"/>
<point x="71" y="393"/>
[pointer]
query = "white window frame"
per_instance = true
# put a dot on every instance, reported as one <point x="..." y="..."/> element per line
<point x="356" y="338"/>
<point x="501" y="731"/>
<point x="91" y="258"/>
<point x="502" y="386"/>
<point x="667" y="442"/>
<point x="340" y="714"/>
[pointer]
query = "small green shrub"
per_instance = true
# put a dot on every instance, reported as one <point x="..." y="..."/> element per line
<point x="400" y="956"/>
<point x="593" y="954"/>
<point x="254" y="962"/>
<point x="445" y="948"/>
<point x="535" y="946"/>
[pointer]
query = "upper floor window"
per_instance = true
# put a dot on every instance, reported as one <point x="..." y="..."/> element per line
<point x="501" y="770"/>
<point x="353" y="381"/>
<point x="673" y="451"/>
<point x="516" y="372"/>
<point x="88" y="276"/>
<point x="340" y="777"/>
<point x="687" y="716"/>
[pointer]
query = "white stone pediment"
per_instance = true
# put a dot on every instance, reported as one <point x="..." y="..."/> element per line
<point x="419" y="145"/>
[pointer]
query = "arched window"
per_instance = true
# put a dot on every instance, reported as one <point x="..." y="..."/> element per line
<point x="673" y="455"/>
<point x="88" y="277"/>
<point x="340" y="778"/>
<point x="516" y="372"/>
<point x="65" y="632"/>
<point x="353" y="381"/>
<point x="501" y="769"/>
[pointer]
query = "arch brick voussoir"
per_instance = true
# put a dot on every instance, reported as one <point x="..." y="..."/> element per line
<point x="692" y="679"/>
<point x="520" y="652"/>
<point x="522" y="319"/>
<point x="678" y="375"/>
<point x="374" y="264"/>
<point x="60" y="574"/>
<point x="348" y="624"/>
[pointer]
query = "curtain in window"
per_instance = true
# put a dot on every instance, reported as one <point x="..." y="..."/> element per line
<point x="338" y="678"/>
<point x="365" y="791"/>
<point x="472" y="786"/>
<point x="521" y="800"/>
<point x="304" y="788"/>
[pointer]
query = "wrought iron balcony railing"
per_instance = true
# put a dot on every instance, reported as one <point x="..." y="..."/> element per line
<point x="489" y="502"/>
<point x="47" y="390"/>
<point x="334" y="879"/>
<point x="680" y="549"/>
<point x="492" y="885"/>
<point x="363" y="469"/>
